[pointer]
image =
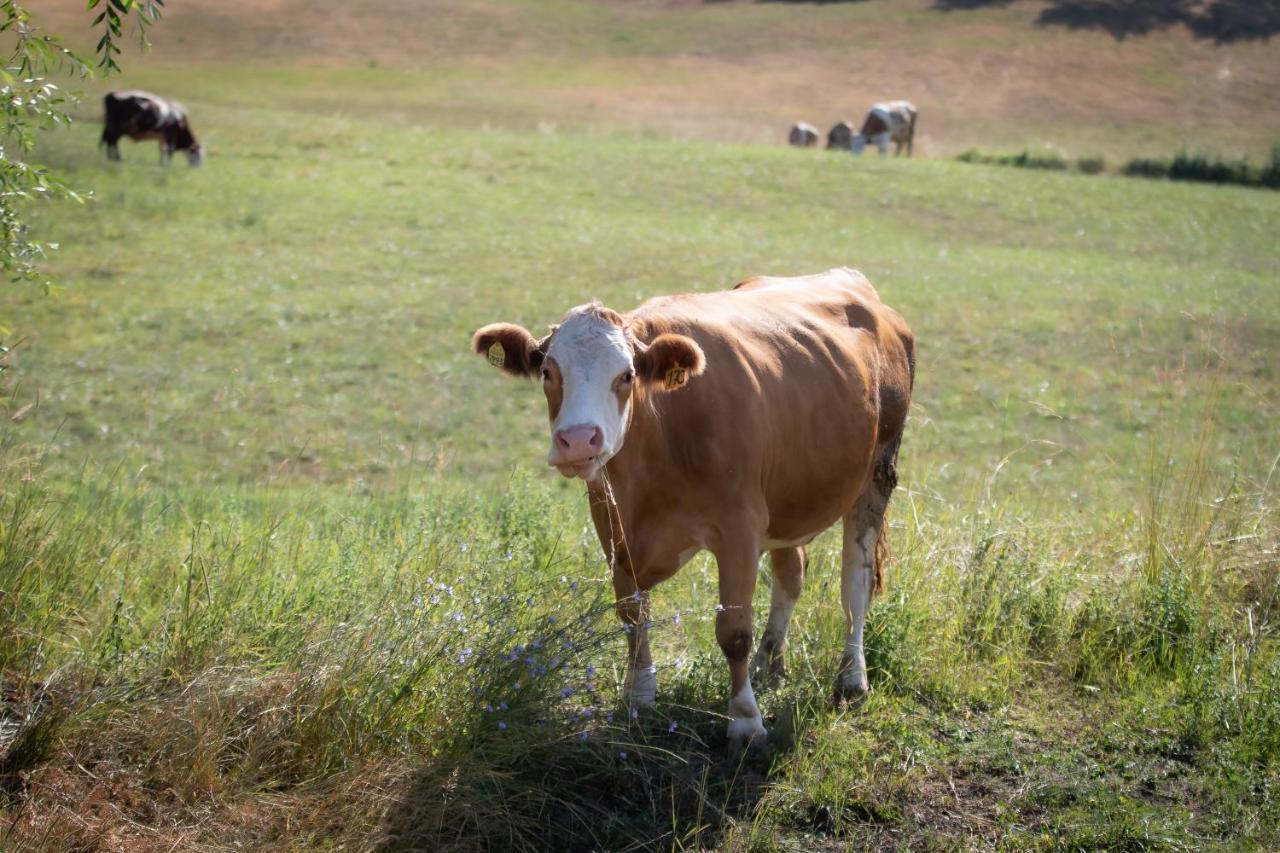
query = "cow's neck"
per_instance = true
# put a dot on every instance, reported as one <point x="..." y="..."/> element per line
<point x="643" y="470"/>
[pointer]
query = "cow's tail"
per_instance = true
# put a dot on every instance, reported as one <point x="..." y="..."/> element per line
<point x="886" y="480"/>
<point x="911" y="135"/>
<point x="886" y="475"/>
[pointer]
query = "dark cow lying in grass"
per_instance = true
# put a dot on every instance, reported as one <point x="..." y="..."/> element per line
<point x="839" y="136"/>
<point x="753" y="419"/>
<point x="142" y="115"/>
<point x="894" y="121"/>
<point x="803" y="135"/>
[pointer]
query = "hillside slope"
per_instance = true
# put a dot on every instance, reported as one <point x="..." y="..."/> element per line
<point x="998" y="74"/>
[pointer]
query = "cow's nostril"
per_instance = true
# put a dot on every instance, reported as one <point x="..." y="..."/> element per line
<point x="597" y="439"/>
<point x="562" y="441"/>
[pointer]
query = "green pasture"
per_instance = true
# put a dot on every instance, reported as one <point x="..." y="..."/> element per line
<point x="254" y="487"/>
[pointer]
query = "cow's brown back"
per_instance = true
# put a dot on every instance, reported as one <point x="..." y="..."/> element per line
<point x="806" y="379"/>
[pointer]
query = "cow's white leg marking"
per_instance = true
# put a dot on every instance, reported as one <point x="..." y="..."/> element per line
<point x="641" y="686"/>
<point x="745" y="722"/>
<point x="882" y="143"/>
<point x="857" y="573"/>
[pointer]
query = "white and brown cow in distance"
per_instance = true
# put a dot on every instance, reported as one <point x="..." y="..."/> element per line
<point x="803" y="135"/>
<point x="892" y="121"/>
<point x="840" y="136"/>
<point x="740" y="421"/>
<point x="141" y="115"/>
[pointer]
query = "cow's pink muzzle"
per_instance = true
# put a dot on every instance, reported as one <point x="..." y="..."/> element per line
<point x="576" y="445"/>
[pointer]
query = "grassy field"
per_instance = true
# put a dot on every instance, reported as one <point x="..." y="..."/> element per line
<point x="985" y="74"/>
<point x="281" y="565"/>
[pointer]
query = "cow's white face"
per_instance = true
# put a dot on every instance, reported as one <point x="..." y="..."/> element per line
<point x="590" y="366"/>
<point x="195" y="155"/>
<point x="587" y="376"/>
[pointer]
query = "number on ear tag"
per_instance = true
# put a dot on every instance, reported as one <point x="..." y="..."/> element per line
<point x="675" y="377"/>
<point x="497" y="355"/>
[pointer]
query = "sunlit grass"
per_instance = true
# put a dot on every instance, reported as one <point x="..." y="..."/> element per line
<point x="253" y="488"/>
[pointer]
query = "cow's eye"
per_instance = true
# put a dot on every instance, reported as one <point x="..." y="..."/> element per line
<point x="546" y="375"/>
<point x="628" y="376"/>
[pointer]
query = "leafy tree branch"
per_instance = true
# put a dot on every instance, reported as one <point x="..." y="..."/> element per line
<point x="30" y="104"/>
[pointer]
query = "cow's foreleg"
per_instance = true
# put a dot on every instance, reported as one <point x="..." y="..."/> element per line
<point x="109" y="141"/>
<point x="737" y="570"/>
<point x="860" y="572"/>
<point x="640" y="686"/>
<point x="166" y="154"/>
<point x="788" y="565"/>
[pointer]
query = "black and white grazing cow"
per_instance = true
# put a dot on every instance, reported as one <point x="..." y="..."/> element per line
<point x="142" y="115"/>
<point x="892" y="121"/>
<point x="803" y="135"/>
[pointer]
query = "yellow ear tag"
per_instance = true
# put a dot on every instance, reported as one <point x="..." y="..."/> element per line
<point x="497" y="355"/>
<point x="675" y="377"/>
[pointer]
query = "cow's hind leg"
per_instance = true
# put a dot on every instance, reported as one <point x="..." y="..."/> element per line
<point x="788" y="565"/>
<point x="865" y="532"/>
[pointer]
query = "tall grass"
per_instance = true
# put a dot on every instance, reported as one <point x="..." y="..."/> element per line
<point x="444" y="666"/>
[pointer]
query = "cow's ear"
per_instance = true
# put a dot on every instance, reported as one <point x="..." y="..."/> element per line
<point x="508" y="347"/>
<point x="669" y="361"/>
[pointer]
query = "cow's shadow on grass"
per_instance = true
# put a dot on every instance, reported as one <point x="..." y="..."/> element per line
<point x="1221" y="21"/>
<point x="662" y="780"/>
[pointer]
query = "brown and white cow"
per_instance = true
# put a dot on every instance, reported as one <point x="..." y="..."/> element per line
<point x="839" y="136"/>
<point x="141" y="115"/>
<point x="803" y="135"/>
<point x="892" y="121"/>
<point x="741" y="422"/>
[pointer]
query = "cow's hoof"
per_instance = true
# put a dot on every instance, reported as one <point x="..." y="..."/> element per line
<point x="746" y="732"/>
<point x="767" y="669"/>
<point x="851" y="683"/>
<point x="851" y="691"/>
